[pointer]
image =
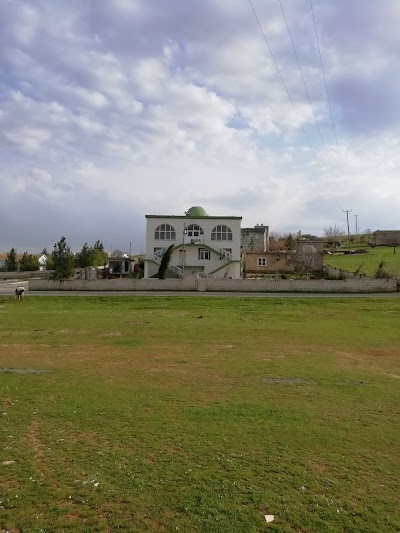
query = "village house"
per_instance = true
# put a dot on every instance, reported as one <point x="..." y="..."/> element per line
<point x="386" y="238"/>
<point x="307" y="256"/>
<point x="120" y="264"/>
<point x="203" y="245"/>
<point x="255" y="239"/>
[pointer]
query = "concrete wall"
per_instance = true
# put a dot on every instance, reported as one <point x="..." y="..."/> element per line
<point x="203" y="284"/>
<point x="26" y="275"/>
<point x="299" y="285"/>
<point x="119" y="284"/>
<point x="340" y="273"/>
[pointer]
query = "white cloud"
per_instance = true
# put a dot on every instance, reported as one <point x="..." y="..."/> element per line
<point x="137" y="107"/>
<point x="28" y="139"/>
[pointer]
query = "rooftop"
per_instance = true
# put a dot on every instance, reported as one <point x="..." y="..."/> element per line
<point x="193" y="212"/>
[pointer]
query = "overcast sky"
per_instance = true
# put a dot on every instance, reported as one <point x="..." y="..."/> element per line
<point x="113" y="109"/>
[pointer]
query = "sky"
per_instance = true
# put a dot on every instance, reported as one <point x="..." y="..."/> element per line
<point x="114" y="109"/>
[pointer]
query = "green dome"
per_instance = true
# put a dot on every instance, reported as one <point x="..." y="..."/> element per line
<point x="196" y="211"/>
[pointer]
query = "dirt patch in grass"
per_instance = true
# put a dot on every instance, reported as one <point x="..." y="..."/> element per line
<point x="22" y="371"/>
<point x="289" y="381"/>
<point x="351" y="383"/>
<point x="381" y="353"/>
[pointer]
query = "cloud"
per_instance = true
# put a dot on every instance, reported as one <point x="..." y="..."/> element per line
<point x="113" y="110"/>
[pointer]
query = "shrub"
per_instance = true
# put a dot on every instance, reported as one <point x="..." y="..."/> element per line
<point x="381" y="271"/>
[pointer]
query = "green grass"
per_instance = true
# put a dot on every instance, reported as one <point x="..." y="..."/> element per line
<point x="369" y="261"/>
<point x="152" y="419"/>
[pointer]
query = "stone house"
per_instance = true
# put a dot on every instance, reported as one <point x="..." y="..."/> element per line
<point x="386" y="237"/>
<point x="254" y="239"/>
<point x="306" y="256"/>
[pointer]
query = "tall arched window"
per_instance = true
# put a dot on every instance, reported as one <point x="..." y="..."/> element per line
<point x="165" y="232"/>
<point x="221" y="233"/>
<point x="193" y="230"/>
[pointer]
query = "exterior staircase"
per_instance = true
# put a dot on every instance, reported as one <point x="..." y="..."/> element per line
<point x="224" y="255"/>
<point x="157" y="259"/>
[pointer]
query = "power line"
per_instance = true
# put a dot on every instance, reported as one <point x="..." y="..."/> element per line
<point x="323" y="72"/>
<point x="304" y="82"/>
<point x="284" y="84"/>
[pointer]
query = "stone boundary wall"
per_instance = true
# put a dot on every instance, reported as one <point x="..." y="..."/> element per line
<point x="341" y="273"/>
<point x="367" y="285"/>
<point x="117" y="284"/>
<point x="42" y="274"/>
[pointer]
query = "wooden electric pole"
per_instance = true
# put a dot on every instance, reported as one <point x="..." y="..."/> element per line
<point x="348" y="227"/>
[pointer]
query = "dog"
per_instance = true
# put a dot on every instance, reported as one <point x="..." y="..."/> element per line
<point x="19" y="293"/>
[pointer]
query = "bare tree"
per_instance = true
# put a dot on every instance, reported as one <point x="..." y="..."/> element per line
<point x="332" y="232"/>
<point x="274" y="236"/>
<point x="333" y="235"/>
<point x="305" y="262"/>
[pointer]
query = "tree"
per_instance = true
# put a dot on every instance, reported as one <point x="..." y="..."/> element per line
<point x="98" y="245"/>
<point x="11" y="263"/>
<point x="84" y="258"/>
<point x="63" y="260"/>
<point x="49" y="262"/>
<point x="274" y="236"/>
<point x="305" y="262"/>
<point x="289" y="241"/>
<point x="333" y="235"/>
<point x="28" y="262"/>
<point x="93" y="256"/>
<point x="99" y="256"/>
<point x="165" y="262"/>
<point x="332" y="232"/>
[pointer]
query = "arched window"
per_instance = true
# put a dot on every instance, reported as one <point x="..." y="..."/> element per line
<point x="221" y="233"/>
<point x="165" y="232"/>
<point x="193" y="230"/>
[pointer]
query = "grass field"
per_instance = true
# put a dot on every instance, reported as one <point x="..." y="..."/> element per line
<point x="369" y="262"/>
<point x="151" y="418"/>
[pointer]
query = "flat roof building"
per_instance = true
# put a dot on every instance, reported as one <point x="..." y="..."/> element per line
<point x="203" y="245"/>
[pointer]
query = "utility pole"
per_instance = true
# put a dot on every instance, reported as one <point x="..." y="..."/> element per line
<point x="348" y="227"/>
<point x="356" y="224"/>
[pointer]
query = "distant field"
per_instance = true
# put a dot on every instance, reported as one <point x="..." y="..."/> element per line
<point x="199" y="414"/>
<point x="369" y="261"/>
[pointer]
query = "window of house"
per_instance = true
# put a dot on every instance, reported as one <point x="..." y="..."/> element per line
<point x="193" y="230"/>
<point x="165" y="232"/>
<point x="203" y="253"/>
<point x="221" y="233"/>
<point x="256" y="236"/>
<point x="262" y="261"/>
